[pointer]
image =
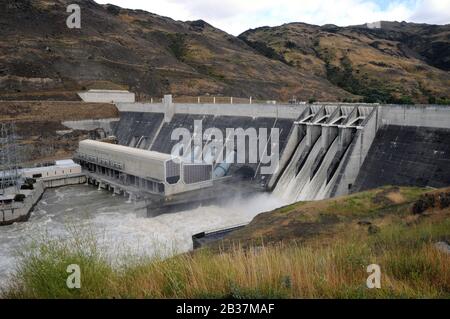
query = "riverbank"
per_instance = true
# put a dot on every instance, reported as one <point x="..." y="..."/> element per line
<point x="20" y="211"/>
<point x="120" y="228"/>
<point x="402" y="238"/>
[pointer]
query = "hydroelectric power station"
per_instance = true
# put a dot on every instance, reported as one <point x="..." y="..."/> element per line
<point x="323" y="150"/>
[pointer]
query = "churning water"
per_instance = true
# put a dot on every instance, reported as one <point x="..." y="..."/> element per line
<point x="120" y="226"/>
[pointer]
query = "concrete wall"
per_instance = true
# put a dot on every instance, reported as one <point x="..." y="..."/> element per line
<point x="437" y="116"/>
<point x="141" y="107"/>
<point x="90" y="125"/>
<point x="21" y="211"/>
<point x="407" y="156"/>
<point x="52" y="171"/>
<point x="377" y="116"/>
<point x="286" y="155"/>
<point x="410" y="115"/>
<point x="243" y="110"/>
<point x="107" y="96"/>
<point x="64" y="181"/>
<point x="354" y="158"/>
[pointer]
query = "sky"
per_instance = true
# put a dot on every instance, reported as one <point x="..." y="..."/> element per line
<point x="237" y="16"/>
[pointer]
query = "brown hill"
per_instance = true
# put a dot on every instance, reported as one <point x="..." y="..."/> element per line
<point x="40" y="132"/>
<point x="40" y="58"/>
<point x="399" y="62"/>
<point x="141" y="51"/>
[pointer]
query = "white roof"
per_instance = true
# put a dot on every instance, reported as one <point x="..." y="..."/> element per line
<point x="65" y="162"/>
<point x="58" y="164"/>
<point x="152" y="155"/>
<point x="108" y="91"/>
<point x="136" y="161"/>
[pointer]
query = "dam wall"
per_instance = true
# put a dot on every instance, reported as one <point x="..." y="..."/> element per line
<point x="147" y="130"/>
<point x="407" y="156"/>
<point x="437" y="116"/>
<point x="411" y="148"/>
<point x="286" y="111"/>
<point x="326" y="149"/>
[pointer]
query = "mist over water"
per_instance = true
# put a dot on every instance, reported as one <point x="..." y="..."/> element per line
<point x="121" y="227"/>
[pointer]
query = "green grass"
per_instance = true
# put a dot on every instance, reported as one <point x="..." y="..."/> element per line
<point x="411" y="268"/>
<point x="329" y="262"/>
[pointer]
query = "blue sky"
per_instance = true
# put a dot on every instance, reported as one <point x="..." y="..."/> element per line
<point x="236" y="16"/>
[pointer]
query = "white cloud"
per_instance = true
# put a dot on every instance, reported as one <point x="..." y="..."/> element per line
<point x="236" y="16"/>
<point x="432" y="11"/>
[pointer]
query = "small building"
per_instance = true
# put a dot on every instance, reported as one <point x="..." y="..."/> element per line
<point x="60" y="169"/>
<point x="107" y="96"/>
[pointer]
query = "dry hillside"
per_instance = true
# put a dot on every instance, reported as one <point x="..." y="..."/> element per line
<point x="149" y="54"/>
<point x="399" y="63"/>
<point x="40" y="133"/>
<point x="40" y="58"/>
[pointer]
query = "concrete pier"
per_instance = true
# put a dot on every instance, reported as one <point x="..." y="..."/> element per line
<point x="20" y="211"/>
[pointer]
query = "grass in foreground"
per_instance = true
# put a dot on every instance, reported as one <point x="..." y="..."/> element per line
<point x="404" y="247"/>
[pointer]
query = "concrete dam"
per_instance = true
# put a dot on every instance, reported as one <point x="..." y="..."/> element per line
<point x="323" y="150"/>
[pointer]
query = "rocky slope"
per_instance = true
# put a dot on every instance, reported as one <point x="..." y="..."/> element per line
<point x="40" y="58"/>
<point x="40" y="133"/>
<point x="397" y="63"/>
<point x="141" y="51"/>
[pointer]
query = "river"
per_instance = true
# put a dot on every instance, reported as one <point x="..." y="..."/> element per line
<point x="117" y="226"/>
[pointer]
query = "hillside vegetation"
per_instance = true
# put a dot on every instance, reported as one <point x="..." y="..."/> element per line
<point x="306" y="250"/>
<point x="40" y="58"/>
<point x="136" y="50"/>
<point x="397" y="63"/>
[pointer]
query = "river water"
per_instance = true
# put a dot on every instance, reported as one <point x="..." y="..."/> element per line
<point x="118" y="226"/>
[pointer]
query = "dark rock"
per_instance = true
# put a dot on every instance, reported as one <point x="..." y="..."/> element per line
<point x="373" y="229"/>
<point x="444" y="200"/>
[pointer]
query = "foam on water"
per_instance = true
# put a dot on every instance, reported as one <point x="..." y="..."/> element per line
<point x="118" y="226"/>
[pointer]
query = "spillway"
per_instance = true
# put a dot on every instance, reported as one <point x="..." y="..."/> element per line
<point x="326" y="134"/>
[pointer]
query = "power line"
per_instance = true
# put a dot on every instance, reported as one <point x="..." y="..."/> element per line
<point x="9" y="168"/>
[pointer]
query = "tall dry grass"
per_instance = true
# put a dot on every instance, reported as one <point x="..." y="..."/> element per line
<point x="411" y="267"/>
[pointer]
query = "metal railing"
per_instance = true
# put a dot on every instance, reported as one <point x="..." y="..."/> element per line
<point x="207" y="99"/>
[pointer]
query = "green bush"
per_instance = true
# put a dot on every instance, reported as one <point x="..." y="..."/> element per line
<point x="177" y="45"/>
<point x="265" y="50"/>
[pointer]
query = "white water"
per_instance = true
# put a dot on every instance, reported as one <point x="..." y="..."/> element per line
<point x="291" y="188"/>
<point x="312" y="189"/>
<point x="118" y="227"/>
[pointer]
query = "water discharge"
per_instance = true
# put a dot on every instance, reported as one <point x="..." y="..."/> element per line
<point x="118" y="226"/>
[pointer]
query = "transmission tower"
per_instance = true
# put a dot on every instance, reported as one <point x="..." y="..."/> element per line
<point x="9" y="168"/>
